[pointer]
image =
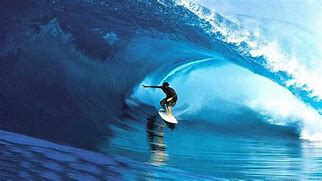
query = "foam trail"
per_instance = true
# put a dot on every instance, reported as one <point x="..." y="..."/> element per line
<point x="276" y="104"/>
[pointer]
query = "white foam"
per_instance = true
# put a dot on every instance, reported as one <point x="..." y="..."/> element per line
<point x="248" y="31"/>
<point x="240" y="86"/>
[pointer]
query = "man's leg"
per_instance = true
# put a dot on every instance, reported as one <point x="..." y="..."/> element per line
<point x="163" y="102"/>
<point x="169" y="110"/>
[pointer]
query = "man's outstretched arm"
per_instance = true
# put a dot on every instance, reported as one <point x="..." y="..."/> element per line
<point x="151" y="86"/>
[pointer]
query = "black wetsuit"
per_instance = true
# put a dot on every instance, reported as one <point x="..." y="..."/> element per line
<point x="169" y="93"/>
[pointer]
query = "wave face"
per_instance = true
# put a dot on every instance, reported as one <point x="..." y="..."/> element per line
<point x="71" y="72"/>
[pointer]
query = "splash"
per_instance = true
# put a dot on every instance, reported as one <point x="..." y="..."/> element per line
<point x="205" y="88"/>
<point x="293" y="51"/>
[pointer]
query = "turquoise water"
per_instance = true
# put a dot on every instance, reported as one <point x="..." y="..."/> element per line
<point x="203" y="152"/>
<point x="249" y="92"/>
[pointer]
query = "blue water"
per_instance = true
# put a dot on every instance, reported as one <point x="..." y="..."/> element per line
<point x="249" y="102"/>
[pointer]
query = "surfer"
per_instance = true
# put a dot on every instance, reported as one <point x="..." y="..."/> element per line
<point x="170" y="99"/>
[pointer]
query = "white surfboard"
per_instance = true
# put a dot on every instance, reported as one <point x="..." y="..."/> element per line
<point x="165" y="117"/>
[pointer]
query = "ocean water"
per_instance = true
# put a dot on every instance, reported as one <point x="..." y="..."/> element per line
<point x="248" y="83"/>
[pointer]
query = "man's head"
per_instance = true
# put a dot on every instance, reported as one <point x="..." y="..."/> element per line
<point x="165" y="84"/>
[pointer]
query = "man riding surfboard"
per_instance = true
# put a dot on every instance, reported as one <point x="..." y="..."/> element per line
<point x="170" y="99"/>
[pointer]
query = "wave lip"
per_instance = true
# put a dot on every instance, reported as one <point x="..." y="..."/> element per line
<point x="287" y="56"/>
